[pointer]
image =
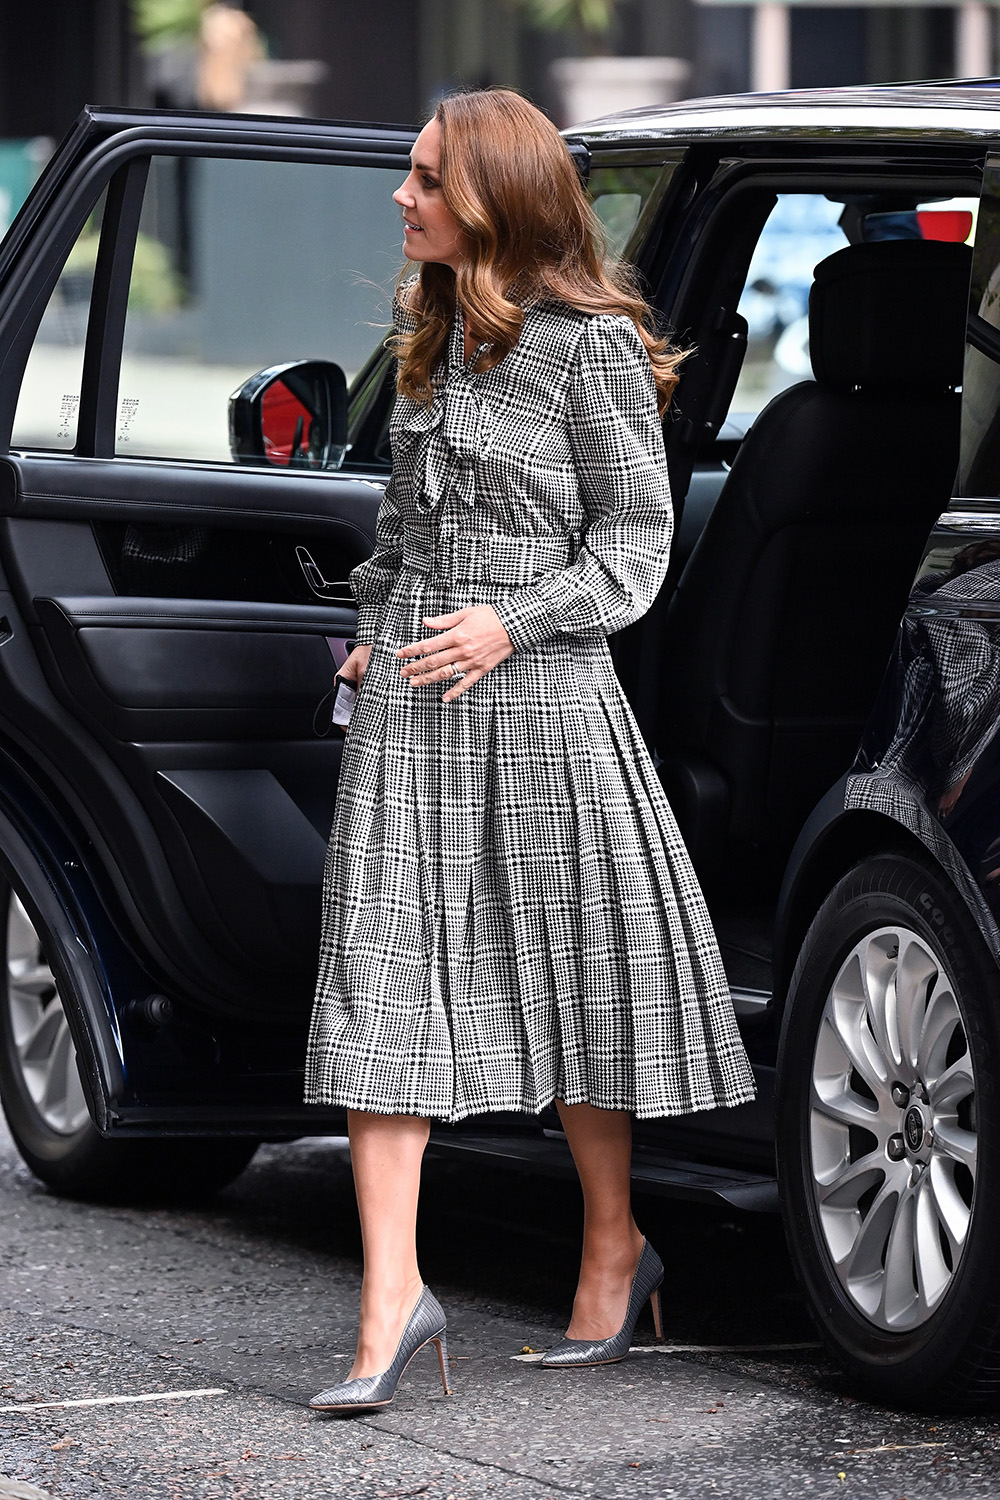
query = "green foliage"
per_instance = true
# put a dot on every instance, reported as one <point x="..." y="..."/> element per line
<point x="163" y="23"/>
<point x="155" y="286"/>
<point x="593" y="17"/>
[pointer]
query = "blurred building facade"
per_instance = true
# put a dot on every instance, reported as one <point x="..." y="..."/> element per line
<point x="388" y="59"/>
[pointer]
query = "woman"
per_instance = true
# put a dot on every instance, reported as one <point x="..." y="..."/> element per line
<point x="510" y="916"/>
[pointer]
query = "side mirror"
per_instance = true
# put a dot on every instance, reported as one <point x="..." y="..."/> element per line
<point x="293" y="416"/>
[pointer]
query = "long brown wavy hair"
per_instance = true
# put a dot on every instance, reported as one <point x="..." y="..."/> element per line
<point x="531" y="232"/>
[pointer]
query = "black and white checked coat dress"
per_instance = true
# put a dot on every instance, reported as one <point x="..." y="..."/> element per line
<point x="510" y="915"/>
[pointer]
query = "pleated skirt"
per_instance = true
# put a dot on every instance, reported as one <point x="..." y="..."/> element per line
<point x="509" y="913"/>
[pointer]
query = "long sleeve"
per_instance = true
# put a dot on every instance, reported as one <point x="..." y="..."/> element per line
<point x="372" y="580"/>
<point x="617" y="445"/>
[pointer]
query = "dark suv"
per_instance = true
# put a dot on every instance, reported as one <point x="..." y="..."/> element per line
<point x="193" y="430"/>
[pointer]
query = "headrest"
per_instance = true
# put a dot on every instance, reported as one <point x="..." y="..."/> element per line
<point x="890" y="313"/>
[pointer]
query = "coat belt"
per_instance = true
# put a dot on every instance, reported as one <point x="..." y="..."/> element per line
<point x="510" y="561"/>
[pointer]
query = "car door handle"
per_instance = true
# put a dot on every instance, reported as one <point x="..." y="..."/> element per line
<point x="322" y="587"/>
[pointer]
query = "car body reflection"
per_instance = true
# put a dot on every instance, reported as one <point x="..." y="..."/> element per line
<point x="929" y="760"/>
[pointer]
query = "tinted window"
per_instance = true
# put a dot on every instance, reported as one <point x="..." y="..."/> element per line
<point x="624" y="195"/>
<point x="241" y="265"/>
<point x="49" y="400"/>
<point x="802" y="230"/>
<point x="979" y="468"/>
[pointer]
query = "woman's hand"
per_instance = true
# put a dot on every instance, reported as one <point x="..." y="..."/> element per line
<point x="472" y="639"/>
<point x="356" y="665"/>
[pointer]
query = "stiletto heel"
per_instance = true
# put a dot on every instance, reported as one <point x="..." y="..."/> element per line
<point x="425" y="1325"/>
<point x="654" y="1302"/>
<point x="442" y="1349"/>
<point x="645" y="1287"/>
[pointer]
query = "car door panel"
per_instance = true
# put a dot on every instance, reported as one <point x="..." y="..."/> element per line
<point x="167" y="814"/>
<point x="272" y="861"/>
<point x="183" y="672"/>
<point x="168" y="632"/>
<point x="214" y="712"/>
<point x="54" y="488"/>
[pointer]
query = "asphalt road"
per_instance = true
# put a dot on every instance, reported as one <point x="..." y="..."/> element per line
<point x="250" y="1301"/>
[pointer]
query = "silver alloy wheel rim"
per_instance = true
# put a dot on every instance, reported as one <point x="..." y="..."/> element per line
<point x="892" y="1129"/>
<point x="43" y="1045"/>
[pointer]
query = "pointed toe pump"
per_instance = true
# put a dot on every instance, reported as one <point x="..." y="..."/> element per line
<point x="425" y="1325"/>
<point x="645" y="1287"/>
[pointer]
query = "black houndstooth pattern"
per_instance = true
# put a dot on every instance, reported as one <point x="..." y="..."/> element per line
<point x="945" y="686"/>
<point x="510" y="915"/>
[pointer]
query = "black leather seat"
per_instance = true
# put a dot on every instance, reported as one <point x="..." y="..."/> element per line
<point x="784" y="616"/>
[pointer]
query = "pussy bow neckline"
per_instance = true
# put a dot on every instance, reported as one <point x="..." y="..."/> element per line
<point x="454" y="428"/>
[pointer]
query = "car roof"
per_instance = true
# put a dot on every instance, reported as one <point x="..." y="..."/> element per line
<point x="913" y="111"/>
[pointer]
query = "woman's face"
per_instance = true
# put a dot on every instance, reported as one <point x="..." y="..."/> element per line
<point x="430" y="229"/>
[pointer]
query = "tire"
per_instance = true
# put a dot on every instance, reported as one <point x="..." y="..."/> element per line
<point x="888" y="1133"/>
<point x="44" y="1102"/>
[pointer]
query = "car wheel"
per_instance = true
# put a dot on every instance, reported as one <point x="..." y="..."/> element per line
<point x="45" y="1105"/>
<point x="888" y="1135"/>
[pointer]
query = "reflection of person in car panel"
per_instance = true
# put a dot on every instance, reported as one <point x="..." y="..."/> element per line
<point x="966" y="706"/>
<point x="939" y="774"/>
<point x="951" y="676"/>
<point x="950" y="697"/>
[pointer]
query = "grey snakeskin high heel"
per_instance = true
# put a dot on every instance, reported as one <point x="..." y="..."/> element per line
<point x="645" y="1285"/>
<point x="425" y="1325"/>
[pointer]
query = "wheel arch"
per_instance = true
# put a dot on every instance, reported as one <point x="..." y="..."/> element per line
<point x="832" y="842"/>
<point x="41" y="864"/>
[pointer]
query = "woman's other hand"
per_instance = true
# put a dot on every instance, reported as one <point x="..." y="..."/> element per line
<point x="471" y="639"/>
<point x="355" y="665"/>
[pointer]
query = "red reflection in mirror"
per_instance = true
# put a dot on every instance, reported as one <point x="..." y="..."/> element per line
<point x="285" y="425"/>
<point x="953" y="224"/>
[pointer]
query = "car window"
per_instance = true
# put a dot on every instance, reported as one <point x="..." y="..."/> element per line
<point x="979" y="466"/>
<point x="241" y="265"/>
<point x="802" y="230"/>
<point x="49" y="399"/>
<point x="622" y="195"/>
